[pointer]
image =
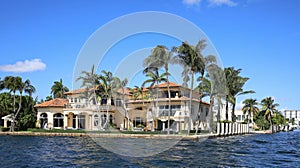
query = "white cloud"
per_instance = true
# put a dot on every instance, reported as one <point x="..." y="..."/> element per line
<point x="191" y="2"/>
<point x="221" y="2"/>
<point x="26" y="66"/>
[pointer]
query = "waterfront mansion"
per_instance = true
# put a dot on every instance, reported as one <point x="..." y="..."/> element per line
<point x="124" y="110"/>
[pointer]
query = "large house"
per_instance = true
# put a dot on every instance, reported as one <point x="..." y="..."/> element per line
<point x="124" y="110"/>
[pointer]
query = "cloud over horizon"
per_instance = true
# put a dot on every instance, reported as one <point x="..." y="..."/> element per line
<point x="25" y="66"/>
<point x="191" y="2"/>
<point x="229" y="3"/>
<point x="221" y="2"/>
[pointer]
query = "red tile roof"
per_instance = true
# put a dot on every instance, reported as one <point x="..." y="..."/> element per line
<point x="165" y="84"/>
<point x="57" y="102"/>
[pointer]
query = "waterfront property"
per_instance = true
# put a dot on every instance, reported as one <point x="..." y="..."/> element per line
<point x="124" y="110"/>
<point x="293" y="116"/>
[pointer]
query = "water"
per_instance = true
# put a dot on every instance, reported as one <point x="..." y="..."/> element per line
<point x="270" y="150"/>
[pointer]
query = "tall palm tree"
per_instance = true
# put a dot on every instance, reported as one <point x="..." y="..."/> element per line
<point x="250" y="108"/>
<point x="161" y="57"/>
<point x="121" y="84"/>
<point x="107" y="86"/>
<point x="28" y="88"/>
<point x="269" y="107"/>
<point x="58" y="89"/>
<point x="235" y="84"/>
<point x="15" y="84"/>
<point x="154" y="78"/>
<point x="191" y="58"/>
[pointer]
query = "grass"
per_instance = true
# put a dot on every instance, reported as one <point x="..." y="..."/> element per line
<point x="55" y="130"/>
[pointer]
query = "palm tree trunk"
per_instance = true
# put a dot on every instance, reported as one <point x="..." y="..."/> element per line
<point x="169" y="95"/>
<point x="211" y="119"/>
<point x="15" y="115"/>
<point x="226" y="109"/>
<point x="191" y="98"/>
<point x="199" y="108"/>
<point x="233" y="113"/>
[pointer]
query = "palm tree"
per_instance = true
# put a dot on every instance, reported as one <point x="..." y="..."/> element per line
<point x="269" y="107"/>
<point x="234" y="88"/>
<point x="250" y="109"/>
<point x="107" y="86"/>
<point x="161" y="57"/>
<point x="153" y="78"/>
<point x="15" y="84"/>
<point x="58" y="89"/>
<point x="28" y="88"/>
<point x="121" y="84"/>
<point x="193" y="62"/>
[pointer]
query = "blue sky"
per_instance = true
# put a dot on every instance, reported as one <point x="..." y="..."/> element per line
<point x="259" y="36"/>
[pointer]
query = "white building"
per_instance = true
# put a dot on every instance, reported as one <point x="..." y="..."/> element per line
<point x="292" y="116"/>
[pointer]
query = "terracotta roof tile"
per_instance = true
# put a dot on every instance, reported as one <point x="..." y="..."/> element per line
<point x="57" y="102"/>
<point x="165" y="84"/>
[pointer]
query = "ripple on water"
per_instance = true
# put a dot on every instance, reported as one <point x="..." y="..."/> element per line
<point x="271" y="150"/>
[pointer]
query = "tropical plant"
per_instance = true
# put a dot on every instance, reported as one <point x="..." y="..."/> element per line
<point x="15" y="84"/>
<point x="250" y="108"/>
<point x="161" y="57"/>
<point x="269" y="107"/>
<point x="234" y="88"/>
<point x="58" y="89"/>
<point x="192" y="60"/>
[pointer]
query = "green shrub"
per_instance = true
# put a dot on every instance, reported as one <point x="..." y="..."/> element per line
<point x="4" y="129"/>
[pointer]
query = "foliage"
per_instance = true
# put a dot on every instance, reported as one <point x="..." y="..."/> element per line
<point x="58" y="89"/>
<point x="250" y="108"/>
<point x="260" y="120"/>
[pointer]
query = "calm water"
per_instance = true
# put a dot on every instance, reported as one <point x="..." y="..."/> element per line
<point x="276" y="150"/>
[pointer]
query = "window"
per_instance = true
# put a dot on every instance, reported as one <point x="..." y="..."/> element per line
<point x="137" y="121"/>
<point x="119" y="102"/>
<point x="96" y="120"/>
<point x="81" y="121"/>
<point x="58" y="119"/>
<point x="103" y="119"/>
<point x="43" y="120"/>
<point x="206" y="111"/>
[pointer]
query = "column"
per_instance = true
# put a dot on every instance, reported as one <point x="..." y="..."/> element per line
<point x="163" y="126"/>
<point x="218" y="128"/>
<point x="222" y="128"/>
<point x="226" y="128"/>
<point x="5" y="123"/>
<point x="65" y="121"/>
<point x="76" y="122"/>
<point x="229" y="128"/>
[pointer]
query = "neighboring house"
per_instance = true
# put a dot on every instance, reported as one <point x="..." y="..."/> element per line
<point x="82" y="110"/>
<point x="51" y="113"/>
<point x="241" y="117"/>
<point x="293" y="116"/>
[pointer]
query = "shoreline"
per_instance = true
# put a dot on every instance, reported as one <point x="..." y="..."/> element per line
<point x="120" y="135"/>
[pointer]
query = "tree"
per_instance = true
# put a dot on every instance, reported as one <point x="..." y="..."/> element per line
<point x="250" y="108"/>
<point x="192" y="60"/>
<point x="153" y="78"/>
<point x="161" y="57"/>
<point x="269" y="107"/>
<point x="15" y="84"/>
<point x="108" y="84"/>
<point x="234" y="88"/>
<point x="58" y="89"/>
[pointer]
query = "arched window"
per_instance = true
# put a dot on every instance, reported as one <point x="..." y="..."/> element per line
<point x="43" y="120"/>
<point x="96" y="120"/>
<point x="81" y="121"/>
<point x="103" y="119"/>
<point x="58" y="119"/>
